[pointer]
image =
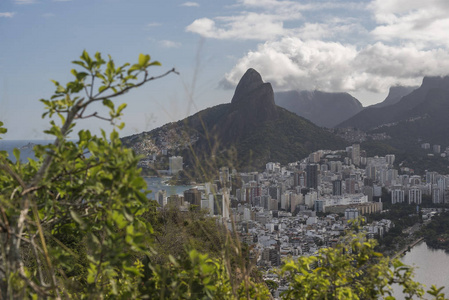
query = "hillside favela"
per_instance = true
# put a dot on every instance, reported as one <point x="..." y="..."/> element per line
<point x="237" y="150"/>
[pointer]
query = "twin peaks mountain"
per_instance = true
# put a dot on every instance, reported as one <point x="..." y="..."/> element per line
<point x="246" y="133"/>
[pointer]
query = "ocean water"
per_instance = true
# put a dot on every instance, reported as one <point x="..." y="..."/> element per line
<point x="25" y="147"/>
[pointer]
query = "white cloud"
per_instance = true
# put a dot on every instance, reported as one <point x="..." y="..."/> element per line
<point x="169" y="44"/>
<point x="334" y="29"/>
<point x="425" y="23"/>
<point x="250" y="26"/>
<point x="154" y="24"/>
<point x="266" y="19"/>
<point x="190" y="4"/>
<point x="7" y="14"/>
<point x="291" y="63"/>
<point x="295" y="6"/>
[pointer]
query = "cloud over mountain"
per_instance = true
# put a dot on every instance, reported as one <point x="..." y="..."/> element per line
<point x="336" y="47"/>
<point x="291" y="63"/>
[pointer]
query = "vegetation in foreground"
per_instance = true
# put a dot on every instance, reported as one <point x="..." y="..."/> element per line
<point x="81" y="226"/>
<point x="437" y="232"/>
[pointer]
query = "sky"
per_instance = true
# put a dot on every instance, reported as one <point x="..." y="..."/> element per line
<point x="360" y="47"/>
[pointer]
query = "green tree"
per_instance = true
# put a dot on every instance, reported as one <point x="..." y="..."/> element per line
<point x="71" y="221"/>
<point x="351" y="270"/>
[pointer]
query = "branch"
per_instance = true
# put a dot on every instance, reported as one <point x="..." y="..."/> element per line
<point x="72" y="114"/>
<point x="49" y="158"/>
<point x="31" y="189"/>
<point x="35" y="247"/>
<point x="145" y="80"/>
<point x="11" y="172"/>
<point x="5" y="223"/>
<point x="33" y="285"/>
<point x="91" y="85"/>
<point x="95" y="114"/>
<point x="99" y="93"/>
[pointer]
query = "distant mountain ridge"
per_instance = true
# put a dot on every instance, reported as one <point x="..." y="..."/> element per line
<point x="395" y="94"/>
<point x="251" y="131"/>
<point x="373" y="117"/>
<point x="322" y="108"/>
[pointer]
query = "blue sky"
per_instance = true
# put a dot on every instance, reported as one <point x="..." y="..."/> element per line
<point x="360" y="47"/>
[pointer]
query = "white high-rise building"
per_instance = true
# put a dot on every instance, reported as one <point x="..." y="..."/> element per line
<point x="219" y="204"/>
<point x="161" y="197"/>
<point x="414" y="195"/>
<point x="390" y="158"/>
<point x="356" y="154"/>
<point x="437" y="196"/>
<point x="397" y="195"/>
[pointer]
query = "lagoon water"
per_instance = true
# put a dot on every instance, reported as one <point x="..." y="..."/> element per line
<point x="431" y="267"/>
<point x="156" y="184"/>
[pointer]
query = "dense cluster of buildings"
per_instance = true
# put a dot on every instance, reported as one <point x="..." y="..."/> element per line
<point x="276" y="210"/>
<point x="293" y="210"/>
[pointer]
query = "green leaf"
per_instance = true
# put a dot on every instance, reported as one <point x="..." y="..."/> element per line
<point x="78" y="219"/>
<point x="81" y="75"/>
<point x="143" y="60"/>
<point x="85" y="56"/>
<point x="16" y="153"/>
<point x="102" y="88"/>
<point x="2" y="129"/>
<point x="60" y="89"/>
<point x="128" y="215"/>
<point x="62" y="118"/>
<point x="98" y="56"/>
<point x="121" y="107"/>
<point x="108" y="103"/>
<point x="155" y="63"/>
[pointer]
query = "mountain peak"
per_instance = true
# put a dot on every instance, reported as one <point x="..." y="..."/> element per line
<point x="395" y="94"/>
<point x="252" y="105"/>
<point x="250" y="81"/>
<point x="254" y="98"/>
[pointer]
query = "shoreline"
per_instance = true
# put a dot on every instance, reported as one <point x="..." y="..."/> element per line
<point x="408" y="247"/>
